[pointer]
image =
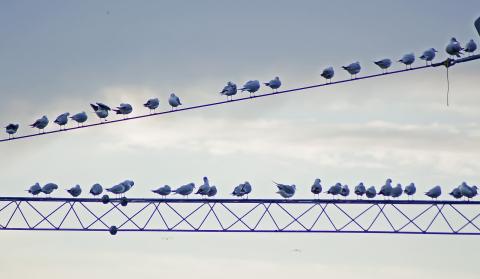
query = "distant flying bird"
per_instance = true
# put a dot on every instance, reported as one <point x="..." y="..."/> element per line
<point x="163" y="191"/>
<point x="454" y="48"/>
<point x="353" y="69"/>
<point x="101" y="110"/>
<point x="204" y="188"/>
<point x="410" y="189"/>
<point x="328" y="74"/>
<point x="35" y="189"/>
<point x="62" y="119"/>
<point x="80" y="117"/>
<point x="152" y="104"/>
<point x="174" y="101"/>
<point x="40" y="123"/>
<point x="435" y="192"/>
<point x="316" y="188"/>
<point x="408" y="60"/>
<point x="384" y="64"/>
<point x="96" y="189"/>
<point x="49" y="188"/>
<point x="185" y="190"/>
<point x="274" y="84"/>
<point x="123" y="109"/>
<point x="251" y="86"/>
<point x="456" y="193"/>
<point x="285" y="190"/>
<point x="470" y="47"/>
<point x="335" y="189"/>
<point x="229" y="90"/>
<point x="360" y="189"/>
<point x="397" y="191"/>
<point x="428" y="55"/>
<point x="212" y="192"/>
<point x="371" y="192"/>
<point x="11" y="129"/>
<point x="75" y="191"/>
<point x="345" y="191"/>
<point x="386" y="189"/>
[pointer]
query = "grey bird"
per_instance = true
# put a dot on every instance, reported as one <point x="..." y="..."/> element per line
<point x="410" y="189"/>
<point x="49" y="188"/>
<point x="328" y="73"/>
<point x="152" y="104"/>
<point x="75" y="191"/>
<point x="408" y="60"/>
<point x="435" y="192"/>
<point x="345" y="191"/>
<point x="384" y="64"/>
<point x="40" y="123"/>
<point x="360" y="189"/>
<point x="174" y="101"/>
<point x="242" y="189"/>
<point x="274" y="84"/>
<point x="229" y="90"/>
<point x="456" y="193"/>
<point x="11" y="129"/>
<point x="335" y="189"/>
<point x="204" y="188"/>
<point x="163" y="191"/>
<point x="467" y="191"/>
<point x="285" y="190"/>
<point x="123" y="109"/>
<point x="35" y="189"/>
<point x="371" y="192"/>
<point x="251" y="87"/>
<point x="80" y="117"/>
<point x="62" y="119"/>
<point x="128" y="184"/>
<point x="117" y="189"/>
<point x="185" y="190"/>
<point x="397" y="191"/>
<point x="428" y="55"/>
<point x="285" y="194"/>
<point x="96" y="189"/>
<point x="237" y="191"/>
<point x="316" y="188"/>
<point x="212" y="192"/>
<point x="353" y="69"/>
<point x="454" y="48"/>
<point x="386" y="189"/>
<point x="470" y="47"/>
<point x="101" y="110"/>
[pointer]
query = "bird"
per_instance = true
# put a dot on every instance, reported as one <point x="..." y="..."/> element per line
<point x="49" y="188"/>
<point x="274" y="84"/>
<point x="75" y="191"/>
<point x="410" y="189"/>
<point x="285" y="190"/>
<point x="242" y="189"/>
<point x="174" y="101"/>
<point x="62" y="119"/>
<point x="163" y="190"/>
<point x="152" y="104"/>
<point x="386" y="189"/>
<point x="384" y="64"/>
<point x="470" y="47"/>
<point x="128" y="184"/>
<point x="345" y="191"/>
<point x="360" y="189"/>
<point x="251" y="87"/>
<point x="11" y="129"/>
<point x="456" y="193"/>
<point x="117" y="189"/>
<point x="408" y="60"/>
<point x="454" y="48"/>
<point x="428" y="55"/>
<point x="123" y="109"/>
<point x="229" y="90"/>
<point x="185" y="190"/>
<point x="371" y="192"/>
<point x="96" y="189"/>
<point x="35" y="189"/>
<point x="328" y="74"/>
<point x="237" y="191"/>
<point x="316" y="188"/>
<point x="397" y="191"/>
<point x="204" y="188"/>
<point x="335" y="189"/>
<point x="101" y="110"/>
<point x="80" y="117"/>
<point x="435" y="192"/>
<point x="353" y="69"/>
<point x="467" y="191"/>
<point x="40" y="123"/>
<point x="212" y="192"/>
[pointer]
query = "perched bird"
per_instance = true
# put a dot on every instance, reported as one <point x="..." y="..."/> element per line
<point x="371" y="192"/>
<point x="204" y="188"/>
<point x="185" y="190"/>
<point x="360" y="189"/>
<point x="49" y="188"/>
<point x="454" y="48"/>
<point x="456" y="193"/>
<point x="353" y="69"/>
<point x="467" y="191"/>
<point x="152" y="104"/>
<point x="212" y="192"/>
<point x="96" y="189"/>
<point x="470" y="47"/>
<point x="237" y="191"/>
<point x="410" y="189"/>
<point x="11" y="129"/>
<point x="274" y="84"/>
<point x="428" y="55"/>
<point x="62" y="119"/>
<point x="35" y="189"/>
<point x="117" y="189"/>
<point x="163" y="191"/>
<point x="123" y="109"/>
<point x="251" y="86"/>
<point x="435" y="192"/>
<point x="384" y="64"/>
<point x="75" y="191"/>
<point x="335" y="189"/>
<point x="40" y="123"/>
<point x="328" y="74"/>
<point x="386" y="189"/>
<point x="345" y="191"/>
<point x="285" y="190"/>
<point x="128" y="184"/>
<point x="101" y="110"/>
<point x="80" y="117"/>
<point x="397" y="191"/>
<point x="174" y="101"/>
<point x="229" y="90"/>
<point x="316" y="187"/>
<point x="242" y="189"/>
<point x="408" y="60"/>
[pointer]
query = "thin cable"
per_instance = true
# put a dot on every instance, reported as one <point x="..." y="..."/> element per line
<point x="448" y="85"/>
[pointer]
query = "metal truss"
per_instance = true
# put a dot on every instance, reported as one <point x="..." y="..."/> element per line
<point x="243" y="215"/>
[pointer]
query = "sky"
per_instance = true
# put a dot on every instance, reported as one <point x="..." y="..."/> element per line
<point x="59" y="56"/>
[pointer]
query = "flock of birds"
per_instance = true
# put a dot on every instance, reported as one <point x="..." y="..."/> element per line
<point x="284" y="190"/>
<point x="454" y="49"/>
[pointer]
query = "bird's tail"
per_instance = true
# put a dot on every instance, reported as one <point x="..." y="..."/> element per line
<point x="117" y="111"/>
<point x="344" y="67"/>
<point x="267" y="83"/>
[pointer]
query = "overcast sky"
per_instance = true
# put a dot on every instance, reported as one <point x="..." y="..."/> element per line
<point x="58" y="56"/>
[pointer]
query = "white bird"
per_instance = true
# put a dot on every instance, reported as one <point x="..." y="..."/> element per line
<point x="353" y="69"/>
<point x="316" y="188"/>
<point x="80" y="117"/>
<point x="456" y="193"/>
<point x="285" y="190"/>
<point x="62" y="119"/>
<point x="384" y="64"/>
<point x="335" y="189"/>
<point x="40" y="123"/>
<point x="410" y="189"/>
<point x="101" y="110"/>
<point x="123" y="109"/>
<point x="408" y="60"/>
<point x="11" y="129"/>
<point x="96" y="189"/>
<point x="435" y="192"/>
<point x="204" y="188"/>
<point x="251" y="86"/>
<point x="386" y="189"/>
<point x="328" y="74"/>
<point x="152" y="104"/>
<point x="274" y="84"/>
<point x="360" y="189"/>
<point x="397" y="191"/>
<point x="229" y="90"/>
<point x="185" y="190"/>
<point x="75" y="191"/>
<point x="212" y="192"/>
<point x="454" y="48"/>
<point x="163" y="191"/>
<point x="371" y="192"/>
<point x="49" y="188"/>
<point x="35" y="189"/>
<point x="470" y="47"/>
<point x="174" y="101"/>
<point x="428" y="55"/>
<point x="345" y="191"/>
